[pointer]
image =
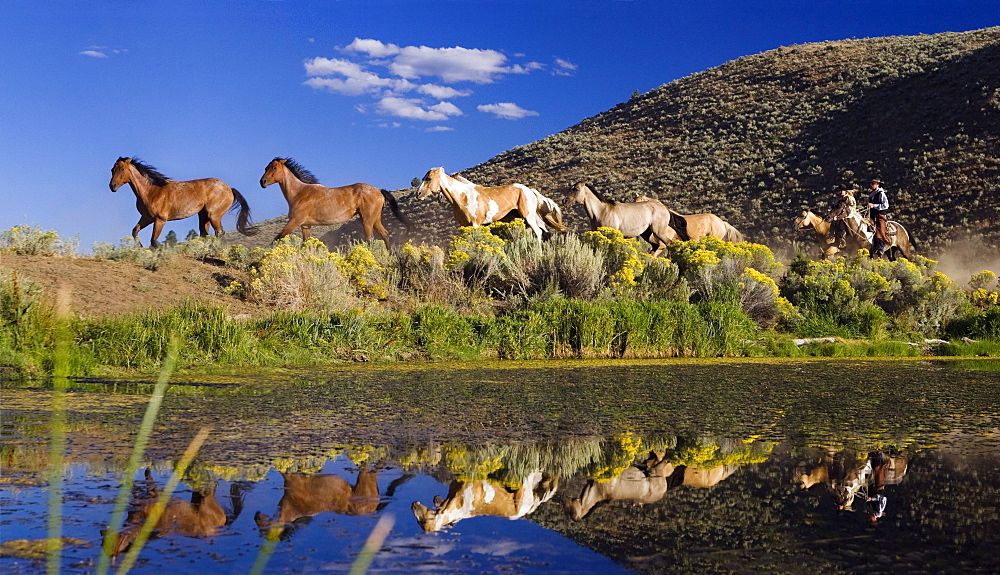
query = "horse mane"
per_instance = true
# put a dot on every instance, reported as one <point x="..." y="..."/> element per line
<point x="299" y="172"/>
<point x="150" y="172"/>
<point x="602" y="197"/>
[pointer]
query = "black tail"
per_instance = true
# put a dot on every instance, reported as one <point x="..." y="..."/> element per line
<point x="679" y="224"/>
<point x="395" y="210"/>
<point x="243" y="220"/>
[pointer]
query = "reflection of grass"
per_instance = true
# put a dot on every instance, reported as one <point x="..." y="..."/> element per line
<point x="117" y="515"/>
<point x="976" y="364"/>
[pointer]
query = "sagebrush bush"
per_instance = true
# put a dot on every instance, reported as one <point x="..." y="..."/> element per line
<point x="32" y="241"/>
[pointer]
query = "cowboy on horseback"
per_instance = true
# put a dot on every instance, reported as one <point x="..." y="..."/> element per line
<point x="878" y="205"/>
<point x="841" y="218"/>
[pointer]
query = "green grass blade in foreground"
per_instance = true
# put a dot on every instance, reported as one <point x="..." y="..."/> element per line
<point x="60" y="373"/>
<point x="372" y="545"/>
<point x="161" y="502"/>
<point x="121" y="502"/>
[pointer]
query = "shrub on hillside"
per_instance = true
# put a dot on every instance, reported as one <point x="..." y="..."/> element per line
<point x="32" y="241"/>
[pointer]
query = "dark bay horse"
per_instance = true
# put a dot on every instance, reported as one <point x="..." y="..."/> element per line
<point x="312" y="204"/>
<point x="160" y="199"/>
<point x="649" y="220"/>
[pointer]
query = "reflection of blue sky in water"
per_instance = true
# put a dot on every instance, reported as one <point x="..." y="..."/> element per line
<point x="328" y="542"/>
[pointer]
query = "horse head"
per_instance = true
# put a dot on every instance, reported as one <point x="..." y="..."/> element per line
<point x="577" y="193"/>
<point x="804" y="222"/>
<point x="431" y="183"/>
<point x="120" y="173"/>
<point x="271" y="172"/>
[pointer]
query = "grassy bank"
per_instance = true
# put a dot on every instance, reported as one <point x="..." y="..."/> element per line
<point x="497" y="293"/>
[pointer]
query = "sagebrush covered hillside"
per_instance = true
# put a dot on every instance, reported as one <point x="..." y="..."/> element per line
<point x="759" y="138"/>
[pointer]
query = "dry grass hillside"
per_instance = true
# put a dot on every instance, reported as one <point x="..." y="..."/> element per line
<point x="759" y="138"/>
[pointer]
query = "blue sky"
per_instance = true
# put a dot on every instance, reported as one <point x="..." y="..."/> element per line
<point x="355" y="90"/>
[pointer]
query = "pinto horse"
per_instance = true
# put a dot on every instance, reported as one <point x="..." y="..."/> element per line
<point x="312" y="204"/>
<point x="649" y="220"/>
<point x="475" y="205"/>
<point x="160" y="199"/>
<point x="900" y="241"/>
<point x="478" y="498"/>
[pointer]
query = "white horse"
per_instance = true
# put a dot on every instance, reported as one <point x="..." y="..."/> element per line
<point x="475" y="205"/>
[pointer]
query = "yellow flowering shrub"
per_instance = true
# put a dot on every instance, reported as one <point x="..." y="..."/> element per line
<point x="621" y="256"/>
<point x="295" y="276"/>
<point x="31" y="240"/>
<point x="619" y="453"/>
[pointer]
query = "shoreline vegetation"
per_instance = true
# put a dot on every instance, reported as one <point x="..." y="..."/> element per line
<point x="497" y="293"/>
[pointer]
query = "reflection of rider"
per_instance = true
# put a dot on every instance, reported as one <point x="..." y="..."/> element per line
<point x="843" y="208"/>
<point x="875" y="504"/>
<point x="878" y="203"/>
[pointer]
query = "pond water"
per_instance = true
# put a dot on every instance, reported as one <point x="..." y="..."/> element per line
<point x="536" y="467"/>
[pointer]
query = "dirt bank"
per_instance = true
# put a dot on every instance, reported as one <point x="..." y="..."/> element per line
<point x="104" y="288"/>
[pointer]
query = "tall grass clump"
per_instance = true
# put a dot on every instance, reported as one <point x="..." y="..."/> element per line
<point x="32" y="241"/>
<point x="28" y="329"/>
<point x="139" y="341"/>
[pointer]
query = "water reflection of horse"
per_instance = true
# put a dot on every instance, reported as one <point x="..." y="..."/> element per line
<point x="475" y="205"/>
<point x="645" y="483"/>
<point x="160" y="199"/>
<point x="202" y="516"/>
<point x="899" y="244"/>
<point x="313" y="204"/>
<point x="480" y="497"/>
<point x="306" y="496"/>
<point x="844" y="475"/>
<point x="650" y="220"/>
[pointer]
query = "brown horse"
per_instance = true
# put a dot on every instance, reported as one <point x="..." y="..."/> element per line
<point x="312" y="204"/>
<point x="649" y="220"/>
<point x="477" y="498"/>
<point x="160" y="199"/>
<point x="309" y="495"/>
<point x="900" y="244"/>
<point x="200" y="517"/>
<point x="475" y="205"/>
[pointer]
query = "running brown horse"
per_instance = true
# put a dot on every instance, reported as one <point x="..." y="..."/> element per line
<point x="312" y="204"/>
<point x="649" y="220"/>
<point x="160" y="199"/>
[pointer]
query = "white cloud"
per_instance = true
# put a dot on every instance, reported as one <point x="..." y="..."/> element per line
<point x="414" y="109"/>
<point x="506" y="110"/>
<point x="391" y="75"/>
<point x="373" y="48"/>
<point x="564" y="67"/>
<point x="442" y="92"/>
<point x="441" y="129"/>
<point x="102" y="51"/>
<point x="450" y="64"/>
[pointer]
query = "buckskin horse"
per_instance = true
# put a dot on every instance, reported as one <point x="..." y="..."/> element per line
<point x="475" y="205"/>
<point x="649" y="220"/>
<point x="700" y="225"/>
<point x="160" y="199"/>
<point x="313" y="204"/>
<point x="900" y="241"/>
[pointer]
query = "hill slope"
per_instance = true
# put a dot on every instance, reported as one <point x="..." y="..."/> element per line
<point x="759" y="138"/>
